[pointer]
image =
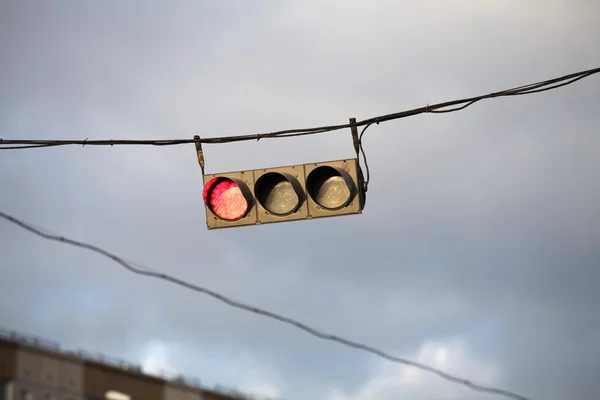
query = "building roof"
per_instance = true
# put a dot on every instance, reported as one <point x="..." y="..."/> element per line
<point x="51" y="348"/>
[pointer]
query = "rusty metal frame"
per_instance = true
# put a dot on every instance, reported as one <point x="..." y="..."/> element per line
<point x="355" y="139"/>
<point x="199" y="153"/>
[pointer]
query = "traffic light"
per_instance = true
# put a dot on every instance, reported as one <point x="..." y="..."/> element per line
<point x="279" y="194"/>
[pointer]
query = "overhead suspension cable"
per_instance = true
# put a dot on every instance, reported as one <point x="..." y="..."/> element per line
<point x="143" y="271"/>
<point x="440" y="108"/>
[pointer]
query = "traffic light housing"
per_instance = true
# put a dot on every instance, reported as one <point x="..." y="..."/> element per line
<point x="289" y="193"/>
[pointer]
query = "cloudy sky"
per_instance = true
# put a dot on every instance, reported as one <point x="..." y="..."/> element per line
<point x="478" y="251"/>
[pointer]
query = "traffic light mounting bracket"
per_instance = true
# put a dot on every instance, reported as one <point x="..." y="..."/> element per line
<point x="357" y="146"/>
<point x="199" y="153"/>
<point x="355" y="139"/>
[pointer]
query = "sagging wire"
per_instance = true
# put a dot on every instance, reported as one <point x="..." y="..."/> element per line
<point x="148" y="272"/>
<point x="364" y="155"/>
<point x="461" y="104"/>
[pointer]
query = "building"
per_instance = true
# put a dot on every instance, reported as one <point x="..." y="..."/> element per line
<point x="32" y="368"/>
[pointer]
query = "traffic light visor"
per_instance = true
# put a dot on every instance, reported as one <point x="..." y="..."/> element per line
<point x="329" y="187"/>
<point x="224" y="197"/>
<point x="278" y="193"/>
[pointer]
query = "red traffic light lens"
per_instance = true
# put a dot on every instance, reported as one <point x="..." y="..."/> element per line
<point x="225" y="199"/>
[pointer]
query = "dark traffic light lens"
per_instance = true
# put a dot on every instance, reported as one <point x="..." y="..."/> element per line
<point x="277" y="193"/>
<point x="225" y="199"/>
<point x="329" y="187"/>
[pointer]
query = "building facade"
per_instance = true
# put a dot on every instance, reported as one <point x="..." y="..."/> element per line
<point x="36" y="369"/>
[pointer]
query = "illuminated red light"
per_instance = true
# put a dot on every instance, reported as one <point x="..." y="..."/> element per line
<point x="225" y="199"/>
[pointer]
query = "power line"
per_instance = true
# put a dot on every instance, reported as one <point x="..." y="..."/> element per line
<point x="445" y="107"/>
<point x="268" y="314"/>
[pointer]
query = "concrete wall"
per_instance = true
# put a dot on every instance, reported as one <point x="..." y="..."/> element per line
<point x="8" y="354"/>
<point x="49" y="371"/>
<point x="50" y="375"/>
<point x="180" y="393"/>
<point x="99" y="379"/>
<point x="28" y="366"/>
<point x="71" y="377"/>
<point x="46" y="376"/>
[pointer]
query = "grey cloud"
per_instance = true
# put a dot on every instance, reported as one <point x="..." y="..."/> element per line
<point x="489" y="231"/>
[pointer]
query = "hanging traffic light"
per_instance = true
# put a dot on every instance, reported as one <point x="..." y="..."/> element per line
<point x="290" y="193"/>
<point x="278" y="194"/>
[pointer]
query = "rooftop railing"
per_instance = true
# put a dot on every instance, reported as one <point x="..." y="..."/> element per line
<point x="54" y="346"/>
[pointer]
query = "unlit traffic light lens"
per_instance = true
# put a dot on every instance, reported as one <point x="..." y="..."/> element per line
<point x="225" y="199"/>
<point x="328" y="187"/>
<point x="277" y="193"/>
